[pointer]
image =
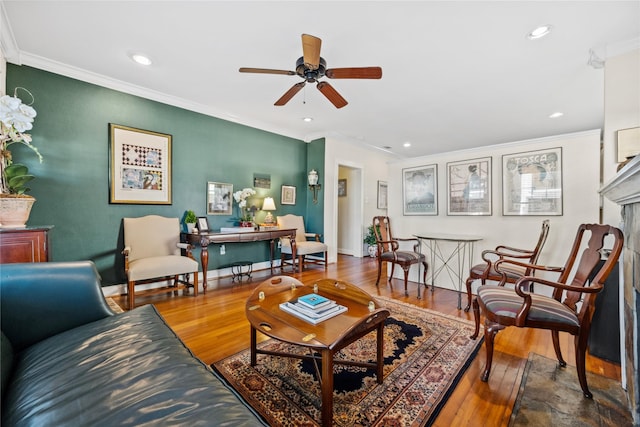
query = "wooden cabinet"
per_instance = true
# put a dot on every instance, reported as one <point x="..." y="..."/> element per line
<point x="30" y="244"/>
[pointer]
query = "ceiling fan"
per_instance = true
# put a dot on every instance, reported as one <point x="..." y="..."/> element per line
<point x="311" y="67"/>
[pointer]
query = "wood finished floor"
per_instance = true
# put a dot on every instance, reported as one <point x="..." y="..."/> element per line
<point x="213" y="326"/>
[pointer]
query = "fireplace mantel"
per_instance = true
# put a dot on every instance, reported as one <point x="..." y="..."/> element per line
<point x="624" y="189"/>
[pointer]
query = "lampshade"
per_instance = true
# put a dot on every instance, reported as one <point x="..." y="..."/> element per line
<point x="268" y="204"/>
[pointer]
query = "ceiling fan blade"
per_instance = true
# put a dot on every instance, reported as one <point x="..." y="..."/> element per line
<point x="266" y="71"/>
<point x="332" y="94"/>
<point x="311" y="51"/>
<point x="354" y="73"/>
<point x="289" y="94"/>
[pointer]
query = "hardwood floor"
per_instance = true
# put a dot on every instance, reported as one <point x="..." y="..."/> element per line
<point x="214" y="326"/>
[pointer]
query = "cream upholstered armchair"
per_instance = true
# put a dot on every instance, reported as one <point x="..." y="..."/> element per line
<point x="152" y="252"/>
<point x="290" y="253"/>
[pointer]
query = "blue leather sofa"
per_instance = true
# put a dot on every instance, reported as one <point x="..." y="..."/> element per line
<point x="68" y="360"/>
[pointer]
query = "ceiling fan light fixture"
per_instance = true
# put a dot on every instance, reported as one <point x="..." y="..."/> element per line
<point x="539" y="32"/>
<point x="141" y="59"/>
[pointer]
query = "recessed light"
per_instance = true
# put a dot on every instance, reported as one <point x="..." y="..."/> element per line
<point x="539" y="32"/>
<point x="308" y="119"/>
<point x="141" y="59"/>
<point x="556" y="115"/>
<point x="406" y="145"/>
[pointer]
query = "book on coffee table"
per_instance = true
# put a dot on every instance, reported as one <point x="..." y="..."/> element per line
<point x="310" y="315"/>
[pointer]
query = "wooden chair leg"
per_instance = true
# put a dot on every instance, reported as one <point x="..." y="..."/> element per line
<point x="393" y="267"/>
<point x="379" y="270"/>
<point x="476" y="317"/>
<point x="490" y="332"/>
<point x="469" y="294"/>
<point x="581" y="350"/>
<point x="300" y="263"/>
<point x="326" y="260"/>
<point x="176" y="281"/>
<point x="555" y="338"/>
<point x="131" y="297"/>
<point x="406" y="280"/>
<point x="195" y="284"/>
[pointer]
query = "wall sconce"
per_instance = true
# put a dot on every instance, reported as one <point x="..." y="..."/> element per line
<point x="313" y="185"/>
<point x="268" y="205"/>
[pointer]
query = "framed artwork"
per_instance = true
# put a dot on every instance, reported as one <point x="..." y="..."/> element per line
<point x="420" y="190"/>
<point x="342" y="187"/>
<point x="469" y="187"/>
<point x="203" y="224"/>
<point x="139" y="166"/>
<point x="532" y="183"/>
<point x="288" y="195"/>
<point x="219" y="198"/>
<point x="382" y="194"/>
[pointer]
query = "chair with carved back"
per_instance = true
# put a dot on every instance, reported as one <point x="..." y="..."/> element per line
<point x="152" y="253"/>
<point x="389" y="251"/>
<point x="486" y="271"/>
<point x="569" y="309"/>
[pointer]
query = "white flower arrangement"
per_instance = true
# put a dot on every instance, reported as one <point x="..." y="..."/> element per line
<point x="16" y="118"/>
<point x="241" y="197"/>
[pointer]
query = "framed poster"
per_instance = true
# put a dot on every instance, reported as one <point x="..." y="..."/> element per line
<point x="342" y="187"/>
<point x="288" y="195"/>
<point x="420" y="190"/>
<point x="469" y="187"/>
<point x="139" y="166"/>
<point x="219" y="198"/>
<point x="532" y="183"/>
<point x="382" y="194"/>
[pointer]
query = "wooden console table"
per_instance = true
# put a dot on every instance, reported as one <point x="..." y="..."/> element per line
<point x="26" y="244"/>
<point x="205" y="239"/>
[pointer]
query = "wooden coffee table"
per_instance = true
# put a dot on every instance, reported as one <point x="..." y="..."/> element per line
<point x="364" y="315"/>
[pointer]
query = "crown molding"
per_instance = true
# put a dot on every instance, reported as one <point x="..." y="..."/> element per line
<point x="76" y="73"/>
<point x="8" y="43"/>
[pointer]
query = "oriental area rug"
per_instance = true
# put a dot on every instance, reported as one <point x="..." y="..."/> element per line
<point x="425" y="354"/>
<point x="551" y="396"/>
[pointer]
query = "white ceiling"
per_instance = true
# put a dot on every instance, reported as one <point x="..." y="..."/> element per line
<point x="456" y="75"/>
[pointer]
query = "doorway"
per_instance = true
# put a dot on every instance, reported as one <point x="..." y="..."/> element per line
<point x="349" y="210"/>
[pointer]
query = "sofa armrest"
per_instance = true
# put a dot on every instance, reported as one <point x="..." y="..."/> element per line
<point x="39" y="300"/>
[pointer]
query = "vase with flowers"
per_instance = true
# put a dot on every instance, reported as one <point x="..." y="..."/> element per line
<point x="241" y="197"/>
<point x="16" y="118"/>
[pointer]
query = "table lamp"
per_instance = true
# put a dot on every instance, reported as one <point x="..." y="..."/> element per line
<point x="268" y="205"/>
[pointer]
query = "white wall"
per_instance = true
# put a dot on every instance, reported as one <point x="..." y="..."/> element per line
<point x="581" y="181"/>
<point x="374" y="167"/>
<point x="621" y="111"/>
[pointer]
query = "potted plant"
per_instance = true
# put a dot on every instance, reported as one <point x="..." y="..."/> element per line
<point x="370" y="240"/>
<point x="15" y="119"/>
<point x="190" y="220"/>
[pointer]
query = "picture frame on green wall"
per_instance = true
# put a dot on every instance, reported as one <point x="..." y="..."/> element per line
<point x="139" y="166"/>
<point x="288" y="195"/>
<point x="219" y="198"/>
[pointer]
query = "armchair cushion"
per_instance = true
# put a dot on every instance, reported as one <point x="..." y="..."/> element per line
<point x="505" y="302"/>
<point x="401" y="256"/>
<point x="306" y="248"/>
<point x="160" y="266"/>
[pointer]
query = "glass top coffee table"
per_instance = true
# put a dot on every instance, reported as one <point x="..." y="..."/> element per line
<point x="363" y="315"/>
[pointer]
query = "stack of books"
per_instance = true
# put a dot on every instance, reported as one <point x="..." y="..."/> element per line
<point x="313" y="308"/>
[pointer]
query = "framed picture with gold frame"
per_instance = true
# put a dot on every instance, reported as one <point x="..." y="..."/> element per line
<point x="139" y="166"/>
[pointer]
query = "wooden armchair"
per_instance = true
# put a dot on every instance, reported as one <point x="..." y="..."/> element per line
<point x="305" y="244"/>
<point x="487" y="271"/>
<point x="153" y="252"/>
<point x="388" y="251"/>
<point x="569" y="309"/>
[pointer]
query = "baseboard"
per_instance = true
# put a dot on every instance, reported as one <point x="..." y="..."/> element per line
<point x="121" y="288"/>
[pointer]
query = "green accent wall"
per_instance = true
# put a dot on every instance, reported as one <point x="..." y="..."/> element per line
<point x="72" y="184"/>
<point x="314" y="221"/>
